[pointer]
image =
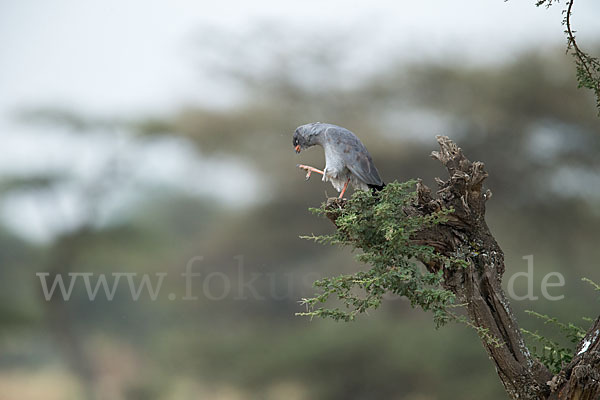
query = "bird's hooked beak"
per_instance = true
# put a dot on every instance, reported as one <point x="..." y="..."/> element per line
<point x="297" y="148"/>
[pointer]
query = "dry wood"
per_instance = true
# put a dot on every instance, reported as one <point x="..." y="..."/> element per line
<point x="467" y="236"/>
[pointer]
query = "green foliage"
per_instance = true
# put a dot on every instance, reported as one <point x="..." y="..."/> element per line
<point x="587" y="67"/>
<point x="588" y="73"/>
<point x="551" y="353"/>
<point x="378" y="225"/>
<point x="594" y="284"/>
<point x="572" y="332"/>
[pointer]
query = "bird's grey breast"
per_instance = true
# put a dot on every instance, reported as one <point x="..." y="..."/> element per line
<point x="334" y="148"/>
<point x="333" y="160"/>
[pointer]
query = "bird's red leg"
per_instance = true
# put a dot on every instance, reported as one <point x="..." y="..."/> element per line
<point x="344" y="189"/>
<point x="310" y="170"/>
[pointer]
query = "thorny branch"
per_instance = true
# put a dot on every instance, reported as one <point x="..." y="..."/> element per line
<point x="478" y="285"/>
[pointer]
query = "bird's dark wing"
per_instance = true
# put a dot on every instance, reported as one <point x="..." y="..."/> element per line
<point x="363" y="167"/>
<point x="355" y="155"/>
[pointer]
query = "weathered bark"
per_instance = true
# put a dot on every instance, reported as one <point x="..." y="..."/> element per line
<point x="466" y="235"/>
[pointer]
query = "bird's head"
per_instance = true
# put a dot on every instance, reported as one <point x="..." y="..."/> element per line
<point x="306" y="136"/>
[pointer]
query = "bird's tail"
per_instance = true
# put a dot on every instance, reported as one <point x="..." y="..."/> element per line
<point x="376" y="188"/>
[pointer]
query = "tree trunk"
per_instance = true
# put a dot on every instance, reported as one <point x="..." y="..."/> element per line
<point x="466" y="235"/>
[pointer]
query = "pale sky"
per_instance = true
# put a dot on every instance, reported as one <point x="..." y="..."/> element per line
<point x="116" y="57"/>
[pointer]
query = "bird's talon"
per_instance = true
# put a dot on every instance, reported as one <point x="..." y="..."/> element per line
<point x="309" y="170"/>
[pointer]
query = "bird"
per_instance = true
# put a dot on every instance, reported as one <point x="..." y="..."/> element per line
<point x="347" y="160"/>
